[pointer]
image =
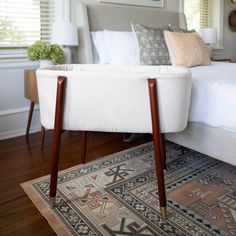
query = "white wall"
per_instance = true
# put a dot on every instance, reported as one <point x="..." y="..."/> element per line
<point x="13" y="106"/>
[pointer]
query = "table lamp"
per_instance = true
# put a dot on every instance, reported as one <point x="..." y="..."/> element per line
<point x="209" y="36"/>
<point x="65" y="34"/>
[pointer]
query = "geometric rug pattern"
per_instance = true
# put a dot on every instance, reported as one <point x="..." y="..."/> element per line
<point x="117" y="195"/>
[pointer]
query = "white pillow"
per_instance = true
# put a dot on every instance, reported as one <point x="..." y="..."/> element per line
<point x="98" y="38"/>
<point x="122" y="47"/>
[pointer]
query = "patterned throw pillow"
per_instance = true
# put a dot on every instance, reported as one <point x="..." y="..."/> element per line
<point x="152" y="46"/>
<point x="180" y="30"/>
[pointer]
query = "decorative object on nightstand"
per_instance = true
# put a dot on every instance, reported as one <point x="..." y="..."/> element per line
<point x="225" y="60"/>
<point x="209" y="36"/>
<point x="48" y="55"/>
<point x="31" y="93"/>
<point x="222" y="59"/>
<point x="65" y="34"/>
<point x="232" y="20"/>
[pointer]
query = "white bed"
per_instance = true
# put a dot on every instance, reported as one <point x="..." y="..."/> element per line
<point x="212" y="118"/>
<point x="212" y="129"/>
<point x="214" y="95"/>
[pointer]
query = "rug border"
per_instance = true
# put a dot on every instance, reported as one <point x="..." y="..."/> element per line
<point x="55" y="223"/>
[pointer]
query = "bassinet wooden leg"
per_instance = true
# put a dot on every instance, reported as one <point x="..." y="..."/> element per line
<point x="83" y="145"/>
<point x="163" y="150"/>
<point x="42" y="137"/>
<point x="56" y="139"/>
<point x="157" y="146"/>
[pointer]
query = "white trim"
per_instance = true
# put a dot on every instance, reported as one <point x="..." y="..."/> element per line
<point x="13" y="53"/>
<point x="221" y="25"/>
<point x="62" y="10"/>
<point x="59" y="16"/>
<point x="14" y="122"/>
<point x="67" y="10"/>
<point x="18" y="63"/>
<point x="181" y="6"/>
<point x="18" y="132"/>
<point x="146" y="3"/>
<point x="16" y="111"/>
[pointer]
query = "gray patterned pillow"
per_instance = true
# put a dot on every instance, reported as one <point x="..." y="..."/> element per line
<point x="180" y="30"/>
<point x="152" y="46"/>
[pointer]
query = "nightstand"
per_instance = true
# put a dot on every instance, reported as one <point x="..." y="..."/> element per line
<point x="223" y="60"/>
<point x="31" y="93"/>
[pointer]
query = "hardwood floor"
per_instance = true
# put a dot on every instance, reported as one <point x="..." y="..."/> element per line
<point x="21" y="161"/>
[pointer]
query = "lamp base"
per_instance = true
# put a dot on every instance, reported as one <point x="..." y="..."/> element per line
<point x="210" y="51"/>
<point x="67" y="55"/>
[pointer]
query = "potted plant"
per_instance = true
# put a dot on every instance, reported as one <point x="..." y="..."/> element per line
<point x="46" y="54"/>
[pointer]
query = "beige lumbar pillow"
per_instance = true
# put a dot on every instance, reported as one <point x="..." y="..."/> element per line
<point x="186" y="49"/>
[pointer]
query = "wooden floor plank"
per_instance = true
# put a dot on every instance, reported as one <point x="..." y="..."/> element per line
<point x="22" y="160"/>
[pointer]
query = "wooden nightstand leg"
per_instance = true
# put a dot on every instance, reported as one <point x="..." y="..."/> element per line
<point x="29" y="119"/>
<point x="42" y="137"/>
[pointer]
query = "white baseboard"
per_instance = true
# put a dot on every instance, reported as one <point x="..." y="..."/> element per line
<point x="16" y="111"/>
<point x="13" y="122"/>
<point x="19" y="132"/>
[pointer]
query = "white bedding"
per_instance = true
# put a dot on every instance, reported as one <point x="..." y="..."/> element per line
<point x="214" y="95"/>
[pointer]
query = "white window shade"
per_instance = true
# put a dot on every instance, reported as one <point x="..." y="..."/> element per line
<point x="24" y="22"/>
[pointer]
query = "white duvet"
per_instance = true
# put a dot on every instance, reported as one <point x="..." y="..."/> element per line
<point x="214" y="95"/>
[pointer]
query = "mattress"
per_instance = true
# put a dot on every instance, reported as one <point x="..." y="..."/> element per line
<point x="213" y="99"/>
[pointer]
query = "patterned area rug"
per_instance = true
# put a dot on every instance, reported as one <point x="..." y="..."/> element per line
<point x="117" y="195"/>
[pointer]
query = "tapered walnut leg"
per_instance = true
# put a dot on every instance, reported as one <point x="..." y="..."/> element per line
<point x="42" y="137"/>
<point x="163" y="150"/>
<point x="83" y="145"/>
<point x="157" y="146"/>
<point x="29" y="119"/>
<point x="56" y="139"/>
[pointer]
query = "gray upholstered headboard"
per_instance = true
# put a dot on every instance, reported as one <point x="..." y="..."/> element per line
<point x="91" y="17"/>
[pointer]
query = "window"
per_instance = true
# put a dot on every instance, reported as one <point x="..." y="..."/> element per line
<point x="199" y="13"/>
<point x="24" y="22"/>
<point x="204" y="13"/>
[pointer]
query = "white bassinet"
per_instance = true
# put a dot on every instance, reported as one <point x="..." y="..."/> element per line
<point x="114" y="99"/>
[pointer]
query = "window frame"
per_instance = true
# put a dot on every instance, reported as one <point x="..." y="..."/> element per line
<point x="218" y="21"/>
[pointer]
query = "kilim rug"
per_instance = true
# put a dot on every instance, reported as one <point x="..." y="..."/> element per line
<point x="117" y="195"/>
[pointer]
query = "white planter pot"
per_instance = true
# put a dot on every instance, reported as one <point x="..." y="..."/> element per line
<point x="45" y="63"/>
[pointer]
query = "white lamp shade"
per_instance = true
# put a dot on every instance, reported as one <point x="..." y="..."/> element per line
<point x="209" y="35"/>
<point x="64" y="33"/>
